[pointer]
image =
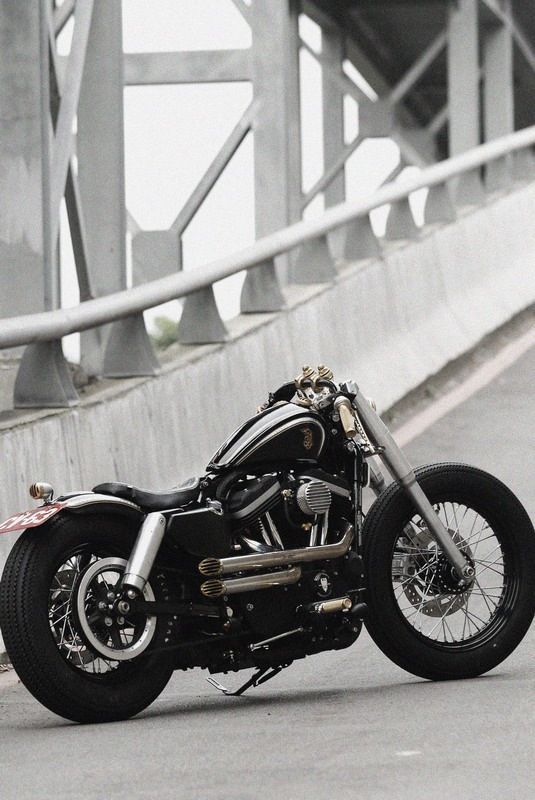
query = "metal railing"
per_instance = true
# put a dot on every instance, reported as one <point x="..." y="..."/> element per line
<point x="50" y="326"/>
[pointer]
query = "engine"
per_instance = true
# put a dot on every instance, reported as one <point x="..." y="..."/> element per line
<point x="292" y="510"/>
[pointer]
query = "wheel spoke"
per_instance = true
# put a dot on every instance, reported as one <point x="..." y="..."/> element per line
<point x="425" y="598"/>
<point x="61" y="618"/>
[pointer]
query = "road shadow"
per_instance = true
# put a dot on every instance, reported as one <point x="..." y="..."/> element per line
<point x="216" y="704"/>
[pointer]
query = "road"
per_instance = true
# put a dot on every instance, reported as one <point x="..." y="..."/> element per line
<point x="344" y="725"/>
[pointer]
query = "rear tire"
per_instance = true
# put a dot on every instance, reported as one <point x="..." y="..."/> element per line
<point x="417" y="616"/>
<point x="62" y="674"/>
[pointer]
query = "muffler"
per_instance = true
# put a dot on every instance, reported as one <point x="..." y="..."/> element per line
<point x="251" y="583"/>
<point x="279" y="558"/>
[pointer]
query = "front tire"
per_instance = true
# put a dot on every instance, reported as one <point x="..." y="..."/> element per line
<point x="417" y="615"/>
<point x="42" y="633"/>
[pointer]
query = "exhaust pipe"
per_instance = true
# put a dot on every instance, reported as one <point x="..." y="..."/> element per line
<point x="280" y="558"/>
<point x="251" y="583"/>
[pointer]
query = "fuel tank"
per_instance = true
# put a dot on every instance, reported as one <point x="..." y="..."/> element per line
<point x="283" y="433"/>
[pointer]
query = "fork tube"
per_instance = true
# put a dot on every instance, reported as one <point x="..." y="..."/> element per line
<point x="399" y="466"/>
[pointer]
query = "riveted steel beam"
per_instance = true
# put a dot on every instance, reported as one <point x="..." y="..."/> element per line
<point x="100" y="150"/>
<point x="498" y="96"/>
<point x="195" y="66"/>
<point x="332" y="49"/>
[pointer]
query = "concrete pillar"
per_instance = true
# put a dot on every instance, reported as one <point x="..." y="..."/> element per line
<point x="277" y="129"/>
<point x="25" y="248"/>
<point x="277" y="138"/>
<point x="332" y="50"/>
<point x="498" y="97"/>
<point x="100" y="146"/>
<point x="463" y="94"/>
<point x="463" y="76"/>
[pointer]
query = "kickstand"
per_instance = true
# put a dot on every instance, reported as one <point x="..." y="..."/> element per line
<point x="263" y="675"/>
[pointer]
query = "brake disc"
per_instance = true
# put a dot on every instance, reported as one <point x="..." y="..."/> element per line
<point x="430" y="590"/>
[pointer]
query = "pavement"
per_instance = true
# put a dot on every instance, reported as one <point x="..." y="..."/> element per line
<point x="339" y="725"/>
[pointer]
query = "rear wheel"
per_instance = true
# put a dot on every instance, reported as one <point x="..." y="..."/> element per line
<point x="418" y="615"/>
<point x="75" y="660"/>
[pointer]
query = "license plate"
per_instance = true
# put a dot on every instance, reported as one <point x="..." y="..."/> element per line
<point x="30" y="519"/>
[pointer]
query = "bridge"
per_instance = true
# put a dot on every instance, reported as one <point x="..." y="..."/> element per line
<point x="387" y="286"/>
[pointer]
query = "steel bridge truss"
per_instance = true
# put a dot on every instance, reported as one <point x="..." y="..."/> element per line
<point x="64" y="140"/>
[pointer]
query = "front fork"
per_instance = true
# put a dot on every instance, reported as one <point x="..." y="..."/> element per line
<point x="401" y="470"/>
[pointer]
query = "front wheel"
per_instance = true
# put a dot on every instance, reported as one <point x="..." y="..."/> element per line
<point x="70" y="656"/>
<point x="418" y="615"/>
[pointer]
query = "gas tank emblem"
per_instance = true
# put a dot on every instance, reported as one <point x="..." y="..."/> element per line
<point x="308" y="440"/>
<point x="323" y="585"/>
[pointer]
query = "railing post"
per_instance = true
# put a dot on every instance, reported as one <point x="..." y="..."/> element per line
<point x="469" y="190"/>
<point x="523" y="165"/>
<point x="44" y="379"/>
<point x="360" y="240"/>
<point x="438" y="205"/>
<point x="261" y="291"/>
<point x="313" y="263"/>
<point x="129" y="352"/>
<point x="400" y="224"/>
<point x="200" y="322"/>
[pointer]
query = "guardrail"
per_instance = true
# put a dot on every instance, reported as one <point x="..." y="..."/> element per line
<point x="43" y="378"/>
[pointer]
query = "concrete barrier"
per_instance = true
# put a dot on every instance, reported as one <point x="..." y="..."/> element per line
<point x="389" y="323"/>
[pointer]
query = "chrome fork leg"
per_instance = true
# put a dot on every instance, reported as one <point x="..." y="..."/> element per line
<point x="399" y="466"/>
<point x="143" y="555"/>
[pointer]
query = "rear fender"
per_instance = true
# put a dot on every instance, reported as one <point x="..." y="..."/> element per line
<point x="82" y="503"/>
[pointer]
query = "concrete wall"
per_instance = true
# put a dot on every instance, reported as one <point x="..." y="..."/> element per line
<point x="387" y="323"/>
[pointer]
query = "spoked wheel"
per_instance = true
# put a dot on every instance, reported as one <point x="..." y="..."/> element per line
<point x="72" y="648"/>
<point x="90" y="633"/>
<point x="418" y="615"/>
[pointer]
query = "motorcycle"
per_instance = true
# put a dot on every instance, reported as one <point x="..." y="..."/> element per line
<point x="267" y="558"/>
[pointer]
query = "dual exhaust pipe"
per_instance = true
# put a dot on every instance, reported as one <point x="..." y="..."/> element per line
<point x="216" y="568"/>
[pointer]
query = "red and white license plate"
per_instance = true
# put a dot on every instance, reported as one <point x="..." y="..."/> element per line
<point x="31" y="518"/>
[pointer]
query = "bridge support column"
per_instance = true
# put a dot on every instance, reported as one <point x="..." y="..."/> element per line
<point x="332" y="56"/>
<point x="463" y="92"/>
<point x="25" y="245"/>
<point x="277" y="148"/>
<point x="100" y="144"/>
<point x="498" y="96"/>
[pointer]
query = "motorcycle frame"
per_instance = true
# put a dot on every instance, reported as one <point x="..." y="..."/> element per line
<point x="152" y="530"/>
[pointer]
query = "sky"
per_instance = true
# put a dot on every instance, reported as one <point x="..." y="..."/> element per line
<point x="173" y="132"/>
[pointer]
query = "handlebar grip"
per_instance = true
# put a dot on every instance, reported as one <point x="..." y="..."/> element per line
<point x="343" y="406"/>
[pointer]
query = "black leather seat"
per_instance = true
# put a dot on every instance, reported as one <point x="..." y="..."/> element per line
<point x="153" y="501"/>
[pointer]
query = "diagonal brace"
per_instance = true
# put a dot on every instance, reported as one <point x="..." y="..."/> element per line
<point x="63" y="140"/>
<point x="214" y="171"/>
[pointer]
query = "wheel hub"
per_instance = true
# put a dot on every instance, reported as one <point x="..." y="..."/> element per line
<point x="107" y="630"/>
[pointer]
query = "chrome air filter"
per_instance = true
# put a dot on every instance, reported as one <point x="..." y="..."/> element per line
<point x="314" y="497"/>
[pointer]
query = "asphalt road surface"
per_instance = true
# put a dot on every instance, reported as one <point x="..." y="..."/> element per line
<point x="341" y="725"/>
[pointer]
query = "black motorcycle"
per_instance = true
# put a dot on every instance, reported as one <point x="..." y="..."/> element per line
<point x="265" y="559"/>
